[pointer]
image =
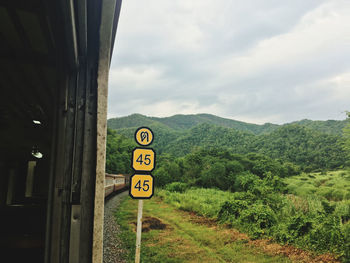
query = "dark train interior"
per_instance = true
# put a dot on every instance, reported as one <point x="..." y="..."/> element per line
<point x="48" y="77"/>
<point x="29" y="79"/>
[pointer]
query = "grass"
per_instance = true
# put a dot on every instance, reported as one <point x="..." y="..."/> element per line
<point x="184" y="240"/>
<point x="333" y="185"/>
<point x="205" y="202"/>
<point x="287" y="219"/>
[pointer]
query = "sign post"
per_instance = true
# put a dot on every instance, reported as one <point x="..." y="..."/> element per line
<point x="141" y="183"/>
<point x="138" y="231"/>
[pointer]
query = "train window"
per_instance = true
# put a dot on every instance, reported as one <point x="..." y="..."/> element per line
<point x="30" y="179"/>
<point x="11" y="187"/>
<point x="3" y="184"/>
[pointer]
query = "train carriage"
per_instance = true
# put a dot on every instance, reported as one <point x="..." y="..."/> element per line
<point x="115" y="183"/>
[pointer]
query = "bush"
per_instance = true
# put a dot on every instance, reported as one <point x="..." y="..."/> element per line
<point x="162" y="177"/>
<point x="257" y="219"/>
<point x="331" y="194"/>
<point x="246" y="181"/>
<point x="232" y="209"/>
<point x="213" y="177"/>
<point x="328" y="208"/>
<point x="299" y="225"/>
<point x="343" y="211"/>
<point x="346" y="249"/>
<point x="177" y="187"/>
<point x="327" y="236"/>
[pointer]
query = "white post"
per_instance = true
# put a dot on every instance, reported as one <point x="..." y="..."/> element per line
<point x="138" y="232"/>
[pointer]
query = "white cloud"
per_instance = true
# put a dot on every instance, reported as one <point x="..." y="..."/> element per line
<point x="254" y="60"/>
<point x="322" y="35"/>
<point x="341" y="86"/>
<point x="166" y="108"/>
<point x="136" y="77"/>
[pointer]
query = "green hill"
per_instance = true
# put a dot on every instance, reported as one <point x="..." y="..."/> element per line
<point x="210" y="136"/>
<point x="301" y="145"/>
<point x="189" y="121"/>
<point x="184" y="122"/>
<point x="310" y="144"/>
<point x="329" y="126"/>
<point x="131" y="121"/>
<point x="294" y="143"/>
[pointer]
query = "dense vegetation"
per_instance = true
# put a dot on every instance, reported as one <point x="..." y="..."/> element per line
<point x="333" y="186"/>
<point x="221" y="169"/>
<point x="262" y="180"/>
<point x="346" y="140"/>
<point x="329" y="127"/>
<point x="310" y="149"/>
<point x="311" y="145"/>
<point x="118" y="152"/>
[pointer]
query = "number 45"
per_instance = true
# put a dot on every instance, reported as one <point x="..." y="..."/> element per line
<point x="145" y="186"/>
<point x="146" y="161"/>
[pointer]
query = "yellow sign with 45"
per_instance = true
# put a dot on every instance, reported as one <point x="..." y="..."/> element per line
<point x="141" y="186"/>
<point x="143" y="160"/>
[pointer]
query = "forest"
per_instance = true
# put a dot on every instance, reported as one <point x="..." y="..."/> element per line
<point x="286" y="182"/>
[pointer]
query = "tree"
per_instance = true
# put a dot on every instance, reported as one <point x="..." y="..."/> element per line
<point x="346" y="139"/>
<point x="118" y="153"/>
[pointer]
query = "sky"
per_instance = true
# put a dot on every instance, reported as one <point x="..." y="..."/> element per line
<point x="256" y="61"/>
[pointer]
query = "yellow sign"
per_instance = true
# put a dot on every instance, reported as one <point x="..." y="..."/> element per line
<point x="143" y="159"/>
<point x="144" y="136"/>
<point x="141" y="186"/>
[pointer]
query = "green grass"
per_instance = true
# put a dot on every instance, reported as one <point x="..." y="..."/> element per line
<point x="288" y="217"/>
<point x="333" y="185"/>
<point x="205" y="202"/>
<point x="285" y="215"/>
<point x="184" y="240"/>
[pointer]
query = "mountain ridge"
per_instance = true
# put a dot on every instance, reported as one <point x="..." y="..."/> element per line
<point x="180" y="122"/>
<point x="310" y="144"/>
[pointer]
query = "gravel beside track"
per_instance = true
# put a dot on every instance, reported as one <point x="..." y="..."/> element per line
<point x="112" y="245"/>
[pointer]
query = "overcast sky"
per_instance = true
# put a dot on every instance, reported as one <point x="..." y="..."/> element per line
<point x="251" y="60"/>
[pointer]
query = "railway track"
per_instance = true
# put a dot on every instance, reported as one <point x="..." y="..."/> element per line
<point x="112" y="245"/>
